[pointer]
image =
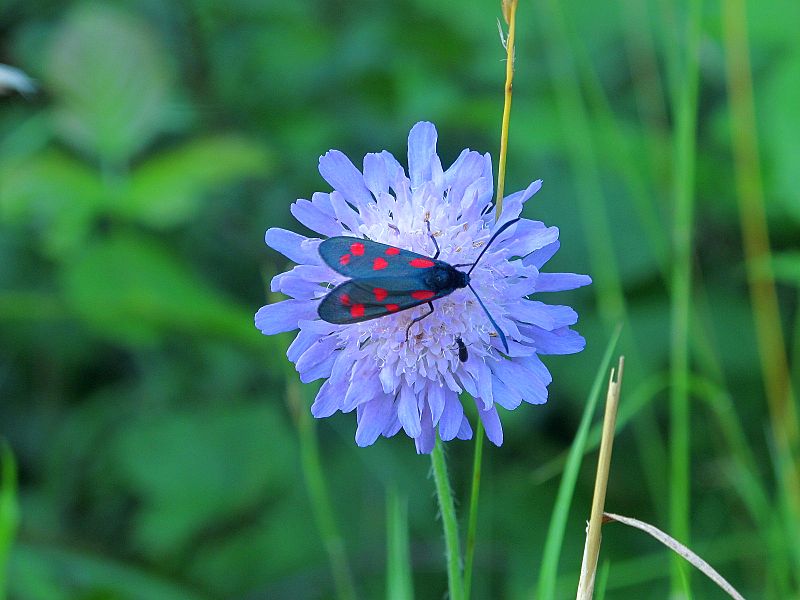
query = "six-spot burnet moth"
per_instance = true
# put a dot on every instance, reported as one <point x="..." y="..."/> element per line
<point x="385" y="279"/>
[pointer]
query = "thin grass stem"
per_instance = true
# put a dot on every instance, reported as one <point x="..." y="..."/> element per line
<point x="447" y="510"/>
<point x="685" y="109"/>
<point x="509" y="12"/>
<point x="784" y="421"/>
<point x="589" y="566"/>
<point x="548" y="572"/>
<point x="319" y="497"/>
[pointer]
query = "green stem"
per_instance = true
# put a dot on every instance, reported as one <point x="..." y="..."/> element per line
<point x="319" y="497"/>
<point x="472" y="523"/>
<point x="683" y="225"/>
<point x="449" y="522"/>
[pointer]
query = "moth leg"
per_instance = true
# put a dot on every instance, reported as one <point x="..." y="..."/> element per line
<point x="435" y="244"/>
<point x="419" y="318"/>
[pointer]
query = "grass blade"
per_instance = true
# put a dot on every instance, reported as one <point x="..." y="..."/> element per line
<point x="558" y="522"/>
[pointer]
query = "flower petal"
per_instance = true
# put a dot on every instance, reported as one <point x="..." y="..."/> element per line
<point x="505" y="396"/>
<point x="491" y="423"/>
<point x="373" y="417"/>
<point x="408" y="413"/>
<point x="344" y="177"/>
<point x="294" y="246"/>
<point x="559" y="282"/>
<point x="465" y="431"/>
<point x="421" y="152"/>
<point x="539" y="257"/>
<point x="426" y="440"/>
<point x="559" y="341"/>
<point x="317" y="361"/>
<point x="317" y="214"/>
<point x="436" y="400"/>
<point x="452" y="416"/>
<point x="521" y="381"/>
<point x="284" y="316"/>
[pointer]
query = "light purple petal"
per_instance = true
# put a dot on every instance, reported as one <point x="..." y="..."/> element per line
<point x="421" y="152"/>
<point x="310" y="332"/>
<point x="300" y="289"/>
<point x="559" y="282"/>
<point x="436" y="400"/>
<point x="317" y="214"/>
<point x="317" y="361"/>
<point x="539" y="257"/>
<point x="327" y="401"/>
<point x="373" y="417"/>
<point x="520" y="381"/>
<point x="408" y="413"/>
<point x="344" y="177"/>
<point x="376" y="175"/>
<point x="344" y="213"/>
<point x="427" y="438"/>
<point x="293" y="246"/>
<point x="505" y="396"/>
<point x="452" y="416"/>
<point x="491" y="423"/>
<point x="284" y="316"/>
<point x="482" y="376"/>
<point x="559" y="341"/>
<point x="536" y="313"/>
<point x="512" y="205"/>
<point x="530" y="236"/>
<point x="465" y="431"/>
<point x="393" y="427"/>
<point x="364" y="386"/>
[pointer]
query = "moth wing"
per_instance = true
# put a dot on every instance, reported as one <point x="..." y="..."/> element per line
<point x="361" y="300"/>
<point x="360" y="258"/>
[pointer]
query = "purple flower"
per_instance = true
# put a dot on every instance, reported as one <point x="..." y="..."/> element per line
<point x="414" y="384"/>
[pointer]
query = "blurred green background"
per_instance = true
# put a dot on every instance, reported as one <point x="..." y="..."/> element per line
<point x="156" y="447"/>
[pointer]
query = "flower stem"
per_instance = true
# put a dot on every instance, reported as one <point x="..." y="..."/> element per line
<point x="472" y="523"/>
<point x="449" y="522"/>
<point x="509" y="12"/>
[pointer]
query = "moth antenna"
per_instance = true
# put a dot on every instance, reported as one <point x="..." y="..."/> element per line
<point x="489" y="243"/>
<point x="499" y="331"/>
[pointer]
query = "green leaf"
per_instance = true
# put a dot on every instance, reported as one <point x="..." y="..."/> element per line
<point x="167" y="189"/>
<point x="130" y="289"/>
<point x="191" y="470"/>
<point x="111" y="83"/>
<point x="55" y="195"/>
<point x="45" y="573"/>
<point x="786" y="267"/>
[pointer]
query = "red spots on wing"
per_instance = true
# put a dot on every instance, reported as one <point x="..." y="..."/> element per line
<point x="357" y="249"/>
<point x="380" y="294"/>
<point x="422" y="295"/>
<point x="345" y="259"/>
<point x="379" y="263"/>
<point x="392" y="307"/>
<point x="421" y="263"/>
<point x="393" y="251"/>
<point x="345" y="299"/>
<point x="357" y="310"/>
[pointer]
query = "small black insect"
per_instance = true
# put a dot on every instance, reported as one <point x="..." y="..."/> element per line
<point x="463" y="355"/>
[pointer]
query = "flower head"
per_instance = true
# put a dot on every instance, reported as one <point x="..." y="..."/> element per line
<point x="412" y="380"/>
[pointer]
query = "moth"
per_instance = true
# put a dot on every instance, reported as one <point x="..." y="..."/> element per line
<point x="385" y="279"/>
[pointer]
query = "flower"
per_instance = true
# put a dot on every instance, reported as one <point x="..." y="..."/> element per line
<point x="414" y="383"/>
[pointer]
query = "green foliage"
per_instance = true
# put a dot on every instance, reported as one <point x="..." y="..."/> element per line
<point x="158" y="457"/>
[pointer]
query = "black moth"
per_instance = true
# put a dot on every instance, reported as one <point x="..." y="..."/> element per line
<point x="386" y="279"/>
